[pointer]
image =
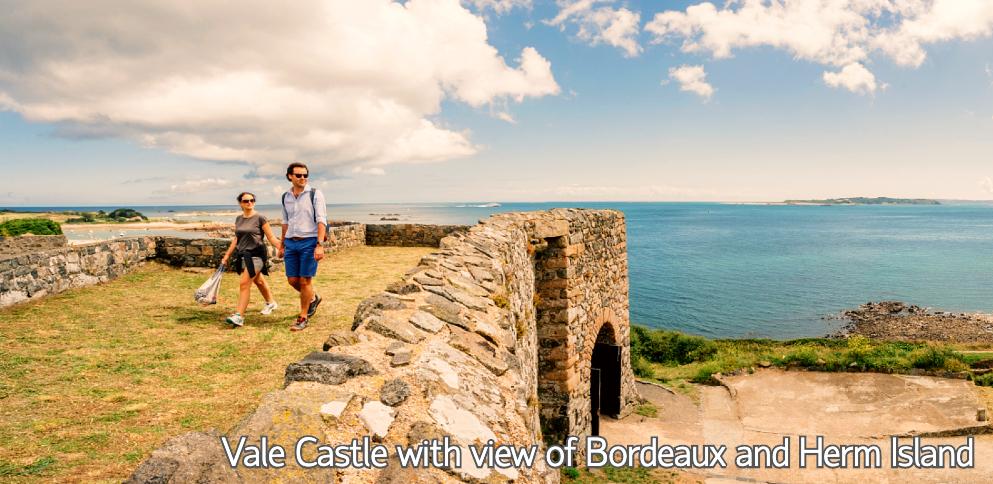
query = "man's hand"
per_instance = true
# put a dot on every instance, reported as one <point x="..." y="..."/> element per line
<point x="319" y="252"/>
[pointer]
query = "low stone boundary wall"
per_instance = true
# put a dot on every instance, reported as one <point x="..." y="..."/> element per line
<point x="409" y="235"/>
<point x="346" y="235"/>
<point x="31" y="276"/>
<point x="180" y="252"/>
<point x="30" y="243"/>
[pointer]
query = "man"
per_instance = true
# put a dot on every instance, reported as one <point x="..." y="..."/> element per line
<point x="305" y="222"/>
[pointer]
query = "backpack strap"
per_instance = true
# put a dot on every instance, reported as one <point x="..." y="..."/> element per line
<point x="286" y="215"/>
<point x="313" y="203"/>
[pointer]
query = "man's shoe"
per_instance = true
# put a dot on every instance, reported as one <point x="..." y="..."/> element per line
<point x="236" y="320"/>
<point x="269" y="308"/>
<point x="313" y="305"/>
<point x="300" y="325"/>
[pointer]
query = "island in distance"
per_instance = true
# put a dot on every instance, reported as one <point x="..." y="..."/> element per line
<point x="864" y="201"/>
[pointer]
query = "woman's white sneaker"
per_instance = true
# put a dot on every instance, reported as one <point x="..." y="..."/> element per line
<point x="269" y="307"/>
<point x="236" y="320"/>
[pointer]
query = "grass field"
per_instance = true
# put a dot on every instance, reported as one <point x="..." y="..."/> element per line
<point x="679" y="361"/>
<point x="94" y="379"/>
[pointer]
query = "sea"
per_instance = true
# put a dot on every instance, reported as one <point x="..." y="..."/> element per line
<point x="746" y="270"/>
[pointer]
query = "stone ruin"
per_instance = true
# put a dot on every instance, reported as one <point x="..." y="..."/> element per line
<point x="515" y="331"/>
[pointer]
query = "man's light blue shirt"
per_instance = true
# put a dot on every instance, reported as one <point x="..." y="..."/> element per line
<point x="298" y="213"/>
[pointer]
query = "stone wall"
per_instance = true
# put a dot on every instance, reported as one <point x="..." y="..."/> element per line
<point x="582" y="283"/>
<point x="409" y="235"/>
<point x="180" y="252"/>
<point x="346" y="234"/>
<point x="30" y="243"/>
<point x="33" y="275"/>
<point x="466" y="346"/>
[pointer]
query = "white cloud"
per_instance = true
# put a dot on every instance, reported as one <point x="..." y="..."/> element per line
<point x="839" y="33"/>
<point x="332" y="82"/>
<point x="692" y="79"/>
<point x="854" y="77"/>
<point x="200" y="185"/>
<point x="368" y="170"/>
<point x="505" y="116"/>
<point x="600" y="25"/>
<point x="498" y="6"/>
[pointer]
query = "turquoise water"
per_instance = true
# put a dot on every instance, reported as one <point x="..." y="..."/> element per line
<point x="762" y="271"/>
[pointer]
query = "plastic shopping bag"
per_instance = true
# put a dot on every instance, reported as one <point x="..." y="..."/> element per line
<point x="207" y="293"/>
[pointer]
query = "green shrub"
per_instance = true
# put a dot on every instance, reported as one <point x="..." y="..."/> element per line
<point x="125" y="213"/>
<point x="984" y="380"/>
<point x="570" y="472"/>
<point x="670" y="347"/>
<point x="705" y="374"/>
<point x="641" y="367"/>
<point x="802" y="356"/>
<point x="36" y="226"/>
<point x="930" y="358"/>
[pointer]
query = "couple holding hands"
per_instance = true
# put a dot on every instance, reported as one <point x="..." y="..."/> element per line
<point x="304" y="231"/>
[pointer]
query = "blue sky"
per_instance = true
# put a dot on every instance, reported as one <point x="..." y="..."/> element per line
<point x="424" y="119"/>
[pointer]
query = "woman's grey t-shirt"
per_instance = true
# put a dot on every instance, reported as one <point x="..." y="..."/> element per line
<point x="249" y="232"/>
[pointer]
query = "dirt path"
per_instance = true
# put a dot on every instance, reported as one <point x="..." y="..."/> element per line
<point x="846" y="409"/>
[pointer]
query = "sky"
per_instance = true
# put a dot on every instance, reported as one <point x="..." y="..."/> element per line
<point x="191" y="102"/>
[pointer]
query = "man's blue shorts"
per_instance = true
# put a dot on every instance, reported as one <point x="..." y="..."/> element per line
<point x="298" y="257"/>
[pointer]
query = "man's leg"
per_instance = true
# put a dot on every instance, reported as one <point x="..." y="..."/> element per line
<point x="306" y="294"/>
<point x="291" y="263"/>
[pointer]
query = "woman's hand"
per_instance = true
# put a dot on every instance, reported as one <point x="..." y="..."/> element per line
<point x="281" y="250"/>
<point x="224" y="260"/>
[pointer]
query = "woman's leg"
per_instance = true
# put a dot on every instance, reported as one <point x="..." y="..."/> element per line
<point x="244" y="291"/>
<point x="263" y="287"/>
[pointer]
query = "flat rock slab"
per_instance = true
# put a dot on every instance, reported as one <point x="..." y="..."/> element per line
<point x="853" y="404"/>
<point x="327" y="368"/>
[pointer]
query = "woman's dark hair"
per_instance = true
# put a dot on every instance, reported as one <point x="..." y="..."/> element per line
<point x="295" y="164"/>
<point x="242" y="194"/>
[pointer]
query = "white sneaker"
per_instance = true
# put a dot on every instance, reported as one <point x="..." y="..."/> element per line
<point x="269" y="307"/>
<point x="236" y="320"/>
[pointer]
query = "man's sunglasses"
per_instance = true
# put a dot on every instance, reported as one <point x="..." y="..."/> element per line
<point x="248" y="200"/>
<point x="301" y="175"/>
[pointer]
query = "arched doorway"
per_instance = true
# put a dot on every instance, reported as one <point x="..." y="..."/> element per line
<point x="605" y="377"/>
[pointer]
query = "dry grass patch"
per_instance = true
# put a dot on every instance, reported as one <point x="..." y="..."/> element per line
<point x="92" y="380"/>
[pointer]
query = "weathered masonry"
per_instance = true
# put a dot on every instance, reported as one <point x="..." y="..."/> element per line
<point x="515" y="331"/>
<point x="32" y="267"/>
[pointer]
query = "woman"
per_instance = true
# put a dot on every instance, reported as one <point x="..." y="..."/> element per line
<point x="251" y="256"/>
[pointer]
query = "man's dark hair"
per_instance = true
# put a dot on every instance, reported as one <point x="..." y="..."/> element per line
<point x="295" y="164"/>
<point x="242" y="194"/>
